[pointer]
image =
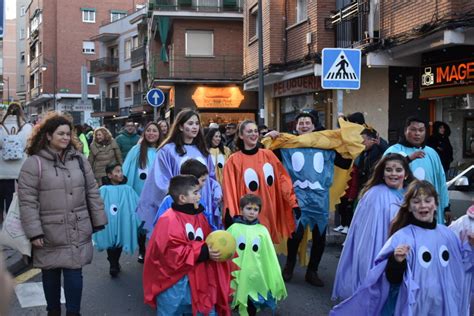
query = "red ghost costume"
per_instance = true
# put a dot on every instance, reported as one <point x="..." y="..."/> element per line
<point x="259" y="172"/>
<point x="173" y="253"/>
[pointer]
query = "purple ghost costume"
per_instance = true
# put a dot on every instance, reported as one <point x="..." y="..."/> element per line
<point x="367" y="235"/>
<point x="436" y="281"/>
<point x="167" y="164"/>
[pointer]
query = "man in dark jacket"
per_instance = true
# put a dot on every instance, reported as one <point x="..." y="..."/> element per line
<point x="127" y="138"/>
<point x="375" y="146"/>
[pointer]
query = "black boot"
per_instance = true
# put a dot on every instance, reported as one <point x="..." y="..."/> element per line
<point x="113" y="257"/>
<point x="141" y="247"/>
<point x="287" y="272"/>
<point x="312" y="278"/>
<point x="56" y="312"/>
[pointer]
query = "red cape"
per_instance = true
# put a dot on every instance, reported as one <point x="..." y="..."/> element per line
<point x="277" y="194"/>
<point x="171" y="255"/>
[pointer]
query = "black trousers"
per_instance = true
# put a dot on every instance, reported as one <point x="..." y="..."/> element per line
<point x="346" y="211"/>
<point x="7" y="188"/>
<point x="317" y="248"/>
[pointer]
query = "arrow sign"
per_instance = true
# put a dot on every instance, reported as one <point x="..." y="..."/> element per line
<point x="155" y="97"/>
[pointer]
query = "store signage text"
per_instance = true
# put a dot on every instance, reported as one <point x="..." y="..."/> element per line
<point x="461" y="73"/>
<point x="297" y="86"/>
<point x="218" y="97"/>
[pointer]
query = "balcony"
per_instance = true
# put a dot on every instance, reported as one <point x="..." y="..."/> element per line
<point x="35" y="92"/>
<point x="138" y="56"/>
<point x="34" y="64"/>
<point x="104" y="67"/>
<point x="108" y="107"/>
<point x="225" y="68"/>
<point x="198" y="5"/>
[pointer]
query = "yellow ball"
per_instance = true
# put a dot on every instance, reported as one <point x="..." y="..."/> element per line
<point x="222" y="241"/>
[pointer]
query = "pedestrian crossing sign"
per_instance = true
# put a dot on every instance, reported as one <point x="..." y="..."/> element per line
<point x="341" y="68"/>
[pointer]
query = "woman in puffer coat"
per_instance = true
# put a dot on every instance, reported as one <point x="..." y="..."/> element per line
<point x="60" y="208"/>
<point x="103" y="152"/>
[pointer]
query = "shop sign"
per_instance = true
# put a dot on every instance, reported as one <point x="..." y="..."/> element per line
<point x="295" y="86"/>
<point x="448" y="74"/>
<point x="82" y="107"/>
<point x="217" y="97"/>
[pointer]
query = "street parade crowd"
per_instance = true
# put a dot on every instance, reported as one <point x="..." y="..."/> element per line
<point x="209" y="209"/>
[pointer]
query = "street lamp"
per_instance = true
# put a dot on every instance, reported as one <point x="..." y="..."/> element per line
<point x="7" y="80"/>
<point x="44" y="67"/>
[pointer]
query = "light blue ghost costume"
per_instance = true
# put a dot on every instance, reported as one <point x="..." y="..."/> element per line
<point x="167" y="164"/>
<point x="168" y="200"/>
<point x="120" y="202"/>
<point x="436" y="281"/>
<point x="311" y="170"/>
<point x="428" y="168"/>
<point x="367" y="235"/>
<point x="136" y="175"/>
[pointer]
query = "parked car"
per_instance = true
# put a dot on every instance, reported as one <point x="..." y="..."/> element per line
<point x="461" y="192"/>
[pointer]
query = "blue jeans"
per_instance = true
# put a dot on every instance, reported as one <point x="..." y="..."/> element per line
<point x="72" y="289"/>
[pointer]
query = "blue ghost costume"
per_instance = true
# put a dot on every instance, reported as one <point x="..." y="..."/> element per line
<point x="367" y="235"/>
<point x="428" y="168"/>
<point x="131" y="167"/>
<point x="436" y="281"/>
<point x="120" y="202"/>
<point x="167" y="164"/>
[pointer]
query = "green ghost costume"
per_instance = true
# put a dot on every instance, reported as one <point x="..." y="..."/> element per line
<point x="258" y="277"/>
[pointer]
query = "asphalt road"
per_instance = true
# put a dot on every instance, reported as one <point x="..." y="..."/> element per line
<point x="124" y="295"/>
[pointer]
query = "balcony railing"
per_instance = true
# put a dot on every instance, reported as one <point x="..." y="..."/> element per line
<point x="198" y="5"/>
<point x="215" y="68"/>
<point x="138" y="56"/>
<point x="104" y="67"/>
<point x="34" y="63"/>
<point x="106" y="105"/>
<point x="35" y="92"/>
<point x="138" y="98"/>
<point x="352" y="25"/>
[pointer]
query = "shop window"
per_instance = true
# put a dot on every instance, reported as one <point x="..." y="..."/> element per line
<point x="88" y="15"/>
<point x="200" y="43"/>
<point x="253" y="23"/>
<point x="88" y="47"/>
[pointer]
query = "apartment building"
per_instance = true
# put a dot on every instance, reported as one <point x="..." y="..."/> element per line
<point x="419" y="60"/>
<point x="294" y="34"/>
<point x="8" y="78"/>
<point x="195" y="56"/>
<point x="58" y="50"/>
<point x="21" y="6"/>
<point x="120" y="72"/>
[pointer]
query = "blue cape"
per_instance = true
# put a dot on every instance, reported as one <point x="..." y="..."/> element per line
<point x="120" y="202"/>
<point x="436" y="282"/>
<point x="136" y="176"/>
<point x="367" y="235"/>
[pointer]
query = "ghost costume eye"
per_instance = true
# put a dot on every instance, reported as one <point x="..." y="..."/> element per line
<point x="268" y="173"/>
<point x="142" y="173"/>
<point x="190" y="231"/>
<point x="256" y="244"/>
<point x="444" y="255"/>
<point x="199" y="234"/>
<point x="251" y="179"/>
<point x="297" y="161"/>
<point x="318" y="162"/>
<point x="220" y="161"/>
<point x="113" y="209"/>
<point x="424" y="257"/>
<point x="241" y="242"/>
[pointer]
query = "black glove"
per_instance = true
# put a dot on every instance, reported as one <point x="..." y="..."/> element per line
<point x="297" y="212"/>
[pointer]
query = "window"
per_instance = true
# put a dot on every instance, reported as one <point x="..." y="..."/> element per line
<point x="128" y="49"/>
<point x="135" y="42"/>
<point x="90" y="79"/>
<point x="200" y="43"/>
<point x="22" y="79"/>
<point x="22" y="57"/>
<point x="88" y="15"/>
<point x="253" y="23"/>
<point x="22" y="33"/>
<point x="88" y="47"/>
<point x="22" y="10"/>
<point x="117" y="15"/>
<point x="301" y="10"/>
<point x="128" y="91"/>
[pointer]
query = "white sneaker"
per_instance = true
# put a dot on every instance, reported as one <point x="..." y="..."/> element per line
<point x="345" y="230"/>
<point x="338" y="228"/>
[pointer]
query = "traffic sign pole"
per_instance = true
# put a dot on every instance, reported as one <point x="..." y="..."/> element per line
<point x="340" y="101"/>
<point x="155" y="98"/>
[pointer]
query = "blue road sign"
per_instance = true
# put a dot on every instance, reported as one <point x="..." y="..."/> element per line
<point x="155" y="97"/>
<point x="2" y="18"/>
<point x="341" y="68"/>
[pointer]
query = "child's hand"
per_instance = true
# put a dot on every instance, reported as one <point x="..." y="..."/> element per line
<point x="401" y="252"/>
<point x="214" y="255"/>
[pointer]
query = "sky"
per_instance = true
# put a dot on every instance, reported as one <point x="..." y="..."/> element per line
<point x="10" y="9"/>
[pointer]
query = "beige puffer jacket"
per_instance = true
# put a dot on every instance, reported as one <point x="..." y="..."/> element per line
<point x="102" y="155"/>
<point x="53" y="205"/>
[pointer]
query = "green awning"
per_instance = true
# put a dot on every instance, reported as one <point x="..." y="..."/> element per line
<point x="185" y="2"/>
<point x="88" y="9"/>
<point x="118" y="11"/>
<point x="230" y="3"/>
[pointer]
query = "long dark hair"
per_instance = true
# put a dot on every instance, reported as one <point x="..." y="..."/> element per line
<point x="49" y="124"/>
<point x="210" y="134"/>
<point x="15" y="110"/>
<point x="175" y="135"/>
<point x="145" y="144"/>
<point x="239" y="143"/>
<point x="377" y="175"/>
<point x="415" y="188"/>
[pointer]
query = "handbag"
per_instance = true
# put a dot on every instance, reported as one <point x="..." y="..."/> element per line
<point x="12" y="234"/>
